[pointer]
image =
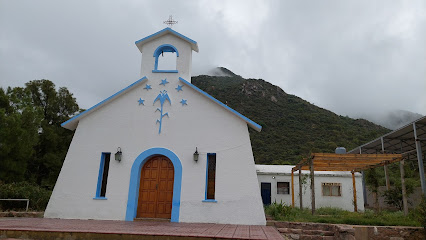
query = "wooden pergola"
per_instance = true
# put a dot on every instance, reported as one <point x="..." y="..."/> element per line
<point x="342" y="162"/>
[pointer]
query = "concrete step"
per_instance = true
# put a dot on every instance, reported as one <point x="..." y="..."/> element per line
<point x="304" y="225"/>
<point x="305" y="232"/>
<point x="307" y="237"/>
<point x="318" y="232"/>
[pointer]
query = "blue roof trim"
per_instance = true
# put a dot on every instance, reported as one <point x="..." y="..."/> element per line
<point x="170" y="30"/>
<point x="254" y="125"/>
<point x="104" y="101"/>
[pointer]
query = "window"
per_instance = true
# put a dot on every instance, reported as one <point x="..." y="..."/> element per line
<point x="283" y="188"/>
<point x="165" y="59"/>
<point x="103" y="176"/>
<point x="211" y="176"/>
<point x="332" y="189"/>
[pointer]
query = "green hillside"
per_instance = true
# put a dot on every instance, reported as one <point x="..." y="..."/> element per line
<point x="292" y="127"/>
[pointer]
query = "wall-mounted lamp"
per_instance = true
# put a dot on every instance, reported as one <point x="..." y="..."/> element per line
<point x="118" y="154"/>
<point x="273" y="177"/>
<point x="196" y="154"/>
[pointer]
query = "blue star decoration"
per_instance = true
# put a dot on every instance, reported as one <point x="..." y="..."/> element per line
<point x="179" y="88"/>
<point x="147" y="87"/>
<point x="183" y="102"/>
<point x="164" y="82"/>
<point x="141" y="101"/>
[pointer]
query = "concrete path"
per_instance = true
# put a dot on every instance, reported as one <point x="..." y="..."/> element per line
<point x="41" y="228"/>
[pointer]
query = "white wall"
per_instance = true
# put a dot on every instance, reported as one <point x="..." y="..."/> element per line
<point x="344" y="202"/>
<point x="123" y="123"/>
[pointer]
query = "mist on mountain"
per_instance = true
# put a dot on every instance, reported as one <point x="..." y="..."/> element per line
<point x="393" y="119"/>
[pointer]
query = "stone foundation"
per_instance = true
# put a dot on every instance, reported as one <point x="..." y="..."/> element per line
<point x="389" y="232"/>
<point x="302" y="230"/>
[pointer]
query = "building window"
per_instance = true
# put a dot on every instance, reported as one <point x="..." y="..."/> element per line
<point x="103" y="176"/>
<point x="283" y="188"/>
<point x="211" y="176"/>
<point x="332" y="189"/>
<point x="165" y="59"/>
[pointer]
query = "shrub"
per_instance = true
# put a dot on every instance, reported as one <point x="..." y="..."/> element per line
<point x="39" y="197"/>
<point x="393" y="196"/>
<point x="279" y="210"/>
<point x="421" y="212"/>
<point x="282" y="212"/>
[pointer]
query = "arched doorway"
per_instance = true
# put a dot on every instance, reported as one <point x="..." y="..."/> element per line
<point x="135" y="173"/>
<point x="156" y="188"/>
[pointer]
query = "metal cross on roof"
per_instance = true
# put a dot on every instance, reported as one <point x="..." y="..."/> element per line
<point x="170" y="22"/>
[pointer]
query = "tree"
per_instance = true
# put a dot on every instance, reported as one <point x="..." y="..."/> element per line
<point x="33" y="144"/>
<point x="19" y="123"/>
<point x="57" y="107"/>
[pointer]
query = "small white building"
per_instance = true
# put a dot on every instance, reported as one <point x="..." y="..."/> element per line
<point x="160" y="148"/>
<point x="332" y="189"/>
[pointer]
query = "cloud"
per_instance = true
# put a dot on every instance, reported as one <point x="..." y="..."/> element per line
<point x="352" y="57"/>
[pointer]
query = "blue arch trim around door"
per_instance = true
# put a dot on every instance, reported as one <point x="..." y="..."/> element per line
<point x="132" y="200"/>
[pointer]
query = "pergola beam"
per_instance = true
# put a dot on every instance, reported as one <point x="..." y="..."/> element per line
<point x="340" y="162"/>
<point x="347" y="162"/>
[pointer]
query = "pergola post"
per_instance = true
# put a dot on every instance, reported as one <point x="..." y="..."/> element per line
<point x="420" y="160"/>
<point x="404" y="191"/>
<point x="364" y="188"/>
<point x="300" y="189"/>
<point x="354" y="191"/>
<point x="311" y="167"/>
<point x="385" y="167"/>
<point x="292" y="187"/>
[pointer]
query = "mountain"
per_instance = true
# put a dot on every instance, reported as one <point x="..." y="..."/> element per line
<point x="291" y="126"/>
<point x="221" y="72"/>
<point x="394" y="119"/>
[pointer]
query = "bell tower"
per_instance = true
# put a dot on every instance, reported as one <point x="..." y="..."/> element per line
<point x="166" y="54"/>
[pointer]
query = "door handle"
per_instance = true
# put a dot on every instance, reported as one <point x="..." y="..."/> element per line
<point x="156" y="186"/>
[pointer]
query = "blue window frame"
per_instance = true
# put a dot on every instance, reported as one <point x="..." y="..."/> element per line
<point x="103" y="176"/>
<point x="162" y="49"/>
<point x="210" y="178"/>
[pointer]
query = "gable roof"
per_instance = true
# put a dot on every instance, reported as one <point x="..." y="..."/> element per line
<point x="72" y="123"/>
<point x="163" y="32"/>
<point x="252" y="124"/>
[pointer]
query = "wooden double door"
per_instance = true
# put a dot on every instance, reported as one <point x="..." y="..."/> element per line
<point x="156" y="188"/>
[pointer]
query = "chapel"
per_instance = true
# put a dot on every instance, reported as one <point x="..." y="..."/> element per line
<point x="160" y="148"/>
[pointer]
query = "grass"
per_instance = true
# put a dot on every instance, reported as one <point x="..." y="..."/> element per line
<point x="282" y="212"/>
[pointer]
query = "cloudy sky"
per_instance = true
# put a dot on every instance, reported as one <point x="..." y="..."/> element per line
<point x="352" y="57"/>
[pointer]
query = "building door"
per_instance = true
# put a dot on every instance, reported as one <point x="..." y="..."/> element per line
<point x="156" y="188"/>
<point x="265" y="190"/>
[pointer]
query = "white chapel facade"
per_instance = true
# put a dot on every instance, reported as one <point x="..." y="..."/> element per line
<point x="181" y="154"/>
